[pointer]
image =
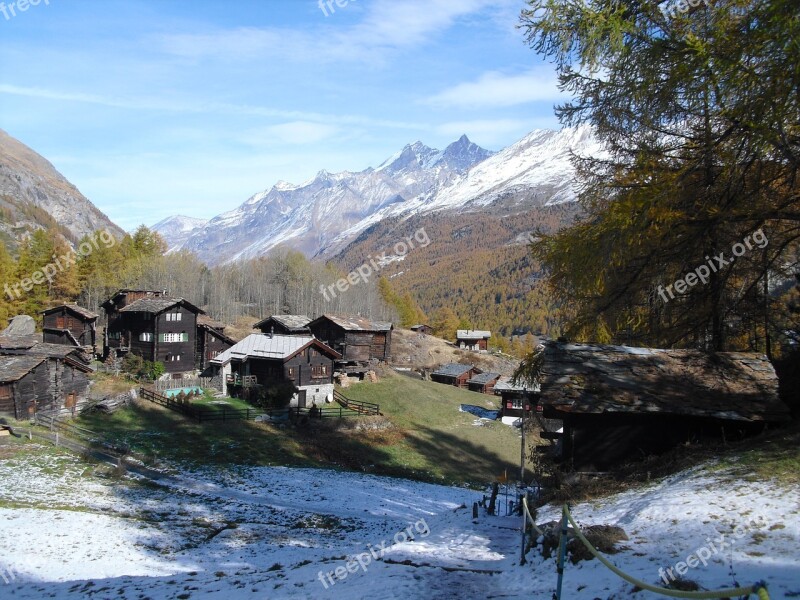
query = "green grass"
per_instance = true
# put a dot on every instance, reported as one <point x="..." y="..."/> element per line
<point x="422" y="435"/>
<point x="208" y="402"/>
<point x="156" y="432"/>
<point x="438" y="442"/>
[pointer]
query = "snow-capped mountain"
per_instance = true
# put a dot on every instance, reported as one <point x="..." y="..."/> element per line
<point x="177" y="229"/>
<point x="322" y="216"/>
<point x="308" y="217"/>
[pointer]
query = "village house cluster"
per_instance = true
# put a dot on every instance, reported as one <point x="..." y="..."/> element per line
<point x="49" y="371"/>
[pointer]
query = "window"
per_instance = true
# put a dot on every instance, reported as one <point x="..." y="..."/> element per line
<point x="172" y="358"/>
<point x="175" y="337"/>
<point x="319" y="371"/>
<point x="290" y="372"/>
<point x="176" y="316"/>
<point x="145" y="337"/>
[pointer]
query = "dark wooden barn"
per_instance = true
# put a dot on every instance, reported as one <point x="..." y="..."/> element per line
<point x="285" y="325"/>
<point x="618" y="403"/>
<point x="211" y="340"/>
<point x="264" y="359"/>
<point x="470" y="339"/>
<point x="37" y="376"/>
<point x="358" y="340"/>
<point x="155" y="327"/>
<point x="454" y="374"/>
<point x="512" y="398"/>
<point x="422" y="328"/>
<point x="483" y="383"/>
<point x="71" y="325"/>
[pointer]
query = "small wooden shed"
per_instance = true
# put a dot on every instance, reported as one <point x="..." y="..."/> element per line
<point x="473" y="339"/>
<point x="454" y="374"/>
<point x="422" y="328"/>
<point x="483" y="383"/>
<point x="357" y="339"/>
<point x="619" y="403"/>
<point x="70" y="324"/>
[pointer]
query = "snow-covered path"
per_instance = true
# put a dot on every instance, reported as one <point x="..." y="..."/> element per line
<point x="248" y="532"/>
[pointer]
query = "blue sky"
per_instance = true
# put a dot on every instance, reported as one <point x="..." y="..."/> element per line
<point x="160" y="107"/>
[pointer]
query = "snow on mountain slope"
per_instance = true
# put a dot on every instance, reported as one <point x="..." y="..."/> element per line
<point x="308" y="216"/>
<point x="266" y="532"/>
<point x="323" y="215"/>
<point x="176" y="230"/>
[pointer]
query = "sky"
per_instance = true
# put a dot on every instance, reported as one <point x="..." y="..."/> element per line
<point x="161" y="107"/>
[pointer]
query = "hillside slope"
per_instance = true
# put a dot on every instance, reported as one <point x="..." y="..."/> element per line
<point x="243" y="532"/>
<point x="33" y="194"/>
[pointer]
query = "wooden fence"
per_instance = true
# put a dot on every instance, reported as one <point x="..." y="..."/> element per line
<point x="161" y="385"/>
<point x="345" y="408"/>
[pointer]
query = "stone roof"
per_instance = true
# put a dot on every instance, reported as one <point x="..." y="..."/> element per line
<point x="452" y="370"/>
<point x="473" y="334"/>
<point x="504" y="385"/>
<point x="290" y="322"/>
<point x="15" y="367"/>
<point x="484" y="378"/>
<point x="595" y="379"/>
<point x="158" y="305"/>
<point x="79" y="310"/>
<point x="264" y="345"/>
<point x="355" y="323"/>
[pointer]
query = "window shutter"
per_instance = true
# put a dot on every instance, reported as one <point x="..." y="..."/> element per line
<point x="161" y="337"/>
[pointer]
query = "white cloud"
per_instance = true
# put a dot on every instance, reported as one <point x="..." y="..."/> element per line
<point x="495" y="89"/>
<point x="294" y="132"/>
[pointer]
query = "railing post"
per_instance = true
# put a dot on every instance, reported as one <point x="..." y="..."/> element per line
<point x="562" y="551"/>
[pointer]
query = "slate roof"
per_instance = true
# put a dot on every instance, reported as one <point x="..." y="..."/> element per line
<point x="452" y="370"/>
<point x="355" y="323"/>
<point x="158" y="305"/>
<point x="594" y="379"/>
<point x="473" y="334"/>
<point x="263" y="345"/>
<point x="484" y="378"/>
<point x="15" y="367"/>
<point x="505" y="385"/>
<point x="204" y="320"/>
<point x="79" y="310"/>
<point x="297" y="323"/>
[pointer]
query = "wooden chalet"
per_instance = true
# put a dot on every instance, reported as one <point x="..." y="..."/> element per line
<point x="618" y="403"/>
<point x="154" y="326"/>
<point x="211" y="340"/>
<point x="71" y="325"/>
<point x="422" y="328"/>
<point x="264" y="359"/>
<point x="473" y="339"/>
<point x="513" y="397"/>
<point x="357" y="339"/>
<point x="285" y="325"/>
<point x="454" y="374"/>
<point x="483" y="383"/>
<point x="36" y="376"/>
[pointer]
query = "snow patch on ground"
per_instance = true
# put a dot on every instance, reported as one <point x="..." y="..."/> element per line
<point x="270" y="532"/>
